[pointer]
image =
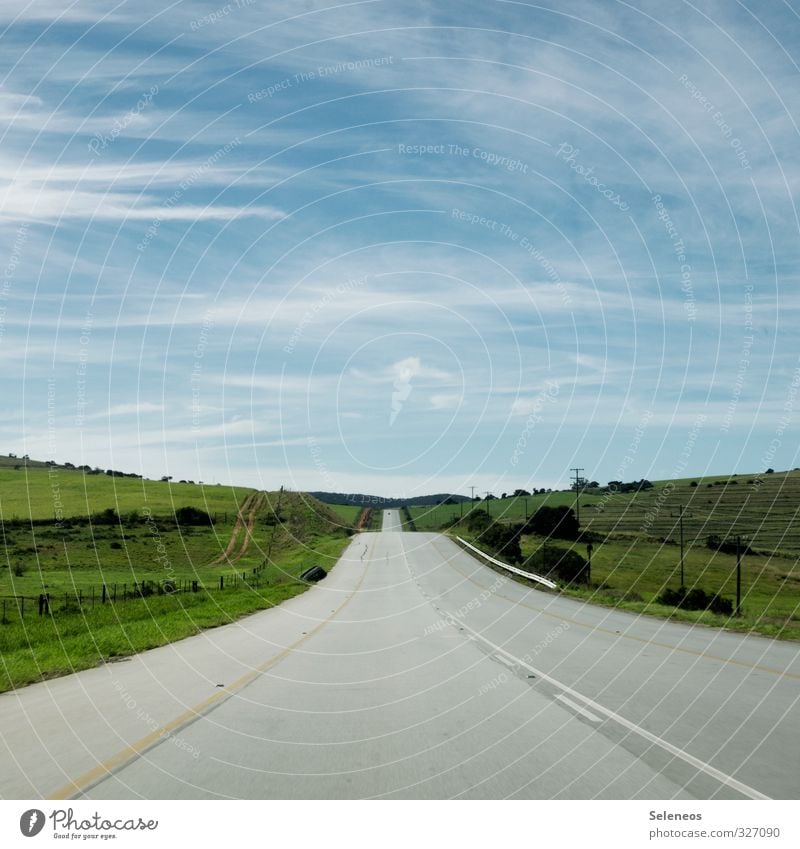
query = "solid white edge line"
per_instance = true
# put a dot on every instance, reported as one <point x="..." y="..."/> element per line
<point x="546" y="581"/>
<point x="709" y="770"/>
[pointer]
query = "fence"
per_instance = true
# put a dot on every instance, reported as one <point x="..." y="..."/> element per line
<point x="47" y="604"/>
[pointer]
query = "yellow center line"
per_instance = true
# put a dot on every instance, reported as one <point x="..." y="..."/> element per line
<point x="602" y="630"/>
<point x="135" y="750"/>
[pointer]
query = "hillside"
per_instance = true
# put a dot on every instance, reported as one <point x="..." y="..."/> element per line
<point x="126" y="566"/>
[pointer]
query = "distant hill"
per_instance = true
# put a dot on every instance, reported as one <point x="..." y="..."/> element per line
<point x="361" y="500"/>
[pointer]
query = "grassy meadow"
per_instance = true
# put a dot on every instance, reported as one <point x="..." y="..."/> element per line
<point x="71" y="559"/>
<point x="637" y="554"/>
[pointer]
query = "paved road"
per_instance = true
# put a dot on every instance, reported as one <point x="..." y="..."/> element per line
<point x="392" y="521"/>
<point x="414" y="671"/>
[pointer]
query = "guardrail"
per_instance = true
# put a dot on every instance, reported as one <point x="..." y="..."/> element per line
<point x="530" y="575"/>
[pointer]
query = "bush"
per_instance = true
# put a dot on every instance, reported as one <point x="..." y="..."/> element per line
<point x="504" y="540"/>
<point x="696" y="599"/>
<point x="106" y="517"/>
<point x="185" y="516"/>
<point x="726" y="546"/>
<point x="18" y="569"/>
<point x="557" y="522"/>
<point x="562" y="563"/>
<point x="477" y="520"/>
<point x="115" y="545"/>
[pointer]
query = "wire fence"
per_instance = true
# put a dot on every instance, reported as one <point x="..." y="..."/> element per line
<point x="80" y="599"/>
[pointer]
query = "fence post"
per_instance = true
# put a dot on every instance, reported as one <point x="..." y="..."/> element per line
<point x="41" y="603"/>
<point x="194" y="586"/>
<point x="92" y="596"/>
<point x="222" y="582"/>
<point x="80" y="598"/>
<point x="4" y="612"/>
<point x="22" y="607"/>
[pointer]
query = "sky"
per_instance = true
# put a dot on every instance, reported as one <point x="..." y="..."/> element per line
<point x="400" y="248"/>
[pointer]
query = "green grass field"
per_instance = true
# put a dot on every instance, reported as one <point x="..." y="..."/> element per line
<point x="641" y="553"/>
<point x="41" y="492"/>
<point x="631" y="574"/>
<point x="763" y="510"/>
<point x="348" y="513"/>
<point x="72" y="560"/>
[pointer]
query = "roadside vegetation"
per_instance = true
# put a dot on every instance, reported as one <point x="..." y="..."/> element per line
<point x="147" y="562"/>
<point x="635" y="546"/>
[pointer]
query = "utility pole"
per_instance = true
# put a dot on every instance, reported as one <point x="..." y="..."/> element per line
<point x="488" y="508"/>
<point x="738" y="611"/>
<point x="526" y="508"/>
<point x="680" y="516"/>
<point x="473" y="494"/>
<point x="577" y="494"/>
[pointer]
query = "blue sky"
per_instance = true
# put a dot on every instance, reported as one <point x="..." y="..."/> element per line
<point x="400" y="248"/>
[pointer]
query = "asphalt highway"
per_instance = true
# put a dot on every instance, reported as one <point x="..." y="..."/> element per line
<point x="414" y="671"/>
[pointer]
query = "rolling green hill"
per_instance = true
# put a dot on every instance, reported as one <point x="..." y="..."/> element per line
<point x="123" y="574"/>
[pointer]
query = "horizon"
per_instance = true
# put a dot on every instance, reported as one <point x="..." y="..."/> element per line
<point x="369" y="248"/>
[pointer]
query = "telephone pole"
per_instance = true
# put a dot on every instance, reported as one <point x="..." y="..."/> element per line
<point x="488" y="508"/>
<point x="738" y="611"/>
<point x="680" y="516"/>
<point x="577" y="494"/>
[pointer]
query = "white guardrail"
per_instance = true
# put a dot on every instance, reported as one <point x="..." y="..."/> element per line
<point x="546" y="581"/>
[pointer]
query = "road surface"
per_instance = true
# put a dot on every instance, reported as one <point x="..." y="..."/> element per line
<point x="413" y="671"/>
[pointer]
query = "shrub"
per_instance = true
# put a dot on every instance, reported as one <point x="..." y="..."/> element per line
<point x="477" y="520"/>
<point x="18" y="569"/>
<point x="106" y="517"/>
<point x="504" y="540"/>
<point x="696" y="599"/>
<point x="116" y="545"/>
<point x="726" y="546"/>
<point x="185" y="516"/>
<point x="557" y="522"/>
<point x="562" y="563"/>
